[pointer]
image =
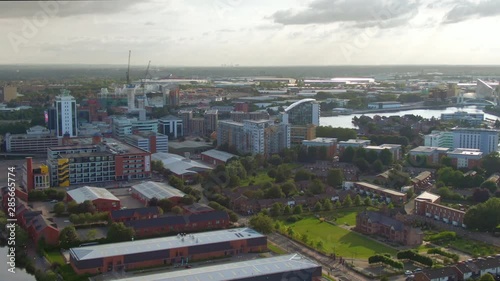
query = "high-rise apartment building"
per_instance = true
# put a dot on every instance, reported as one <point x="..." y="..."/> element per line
<point x="486" y="140"/>
<point x="303" y="112"/>
<point x="211" y="118"/>
<point x="255" y="137"/>
<point x="186" y="116"/>
<point x="9" y="93"/>
<point x="439" y="139"/>
<point x="67" y="120"/>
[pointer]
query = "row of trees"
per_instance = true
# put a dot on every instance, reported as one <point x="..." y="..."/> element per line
<point x="414" y="256"/>
<point x="46" y="194"/>
<point x="484" y="216"/>
<point x="85" y="218"/>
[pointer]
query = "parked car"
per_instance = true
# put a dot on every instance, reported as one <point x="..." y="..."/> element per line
<point x="408" y="273"/>
<point x="417" y="270"/>
<point x="188" y="266"/>
<point x="54" y="201"/>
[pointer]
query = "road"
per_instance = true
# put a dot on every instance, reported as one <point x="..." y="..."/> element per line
<point x="336" y="270"/>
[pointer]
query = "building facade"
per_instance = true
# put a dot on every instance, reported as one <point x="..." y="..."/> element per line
<point x="329" y="143"/>
<point x="395" y="149"/>
<point x="211" y="118"/>
<point x="376" y="223"/>
<point x="166" y="250"/>
<point x="486" y="140"/>
<point x="67" y="120"/>
<point x="465" y="158"/>
<point x="303" y="112"/>
<point x="439" y="139"/>
<point x="171" y="126"/>
<point x="424" y="155"/>
<point x="86" y="161"/>
<point x="428" y="204"/>
<point x="36" y="140"/>
<point x="35" y="176"/>
<point x="148" y="141"/>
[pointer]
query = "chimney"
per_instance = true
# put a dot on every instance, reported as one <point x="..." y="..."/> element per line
<point x="29" y="174"/>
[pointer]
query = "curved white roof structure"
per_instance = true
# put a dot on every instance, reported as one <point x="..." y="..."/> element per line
<point x="298" y="103"/>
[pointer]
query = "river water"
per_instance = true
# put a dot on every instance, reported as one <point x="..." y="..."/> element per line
<point x="345" y="121"/>
<point x="19" y="275"/>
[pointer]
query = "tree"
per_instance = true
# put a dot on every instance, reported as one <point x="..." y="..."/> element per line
<point x="483" y="216"/>
<point x="446" y="161"/>
<point x="327" y="205"/>
<point x="347" y="155"/>
<point x="335" y="177"/>
<point x="318" y="207"/>
<point x="289" y="188"/>
<point x="166" y="205"/>
<point x="287" y="210"/>
<point x="317" y="187"/>
<point x="262" y="223"/>
<point x="68" y="237"/>
<point x="118" y="232"/>
<point x="362" y="164"/>
<point x="303" y="175"/>
<point x="480" y="195"/>
<point x="59" y="208"/>
<point x="371" y="156"/>
<point x="386" y="157"/>
<point x="91" y="234"/>
<point x="367" y="201"/>
<point x="153" y="202"/>
<point x="276" y="209"/>
<point x="347" y="201"/>
<point x="489" y="185"/>
<point x="338" y="204"/>
<point x="297" y="210"/>
<point x="357" y="200"/>
<point x="275" y="160"/>
<point x="274" y="192"/>
<point x="177" y="210"/>
<point x="491" y="163"/>
<point x="377" y="166"/>
<point x="487" y="277"/>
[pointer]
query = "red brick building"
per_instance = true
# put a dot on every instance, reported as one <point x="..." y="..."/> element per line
<point x="389" y="195"/>
<point x="427" y="204"/>
<point x="135" y="214"/>
<point x="103" y="200"/>
<point x="166" y="250"/>
<point x="376" y="223"/>
<point x="150" y="189"/>
<point x="180" y="223"/>
<point x="36" y="224"/>
<point x="216" y="157"/>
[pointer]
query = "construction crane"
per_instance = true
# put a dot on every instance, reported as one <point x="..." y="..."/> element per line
<point x="128" y="68"/>
<point x="146" y="75"/>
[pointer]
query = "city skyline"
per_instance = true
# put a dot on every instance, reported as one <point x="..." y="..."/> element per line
<point x="257" y="33"/>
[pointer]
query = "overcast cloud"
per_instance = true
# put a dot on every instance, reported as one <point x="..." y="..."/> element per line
<point x="257" y="32"/>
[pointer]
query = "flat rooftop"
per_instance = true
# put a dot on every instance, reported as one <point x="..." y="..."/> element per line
<point x="428" y="196"/>
<point x="84" y="193"/>
<point x="217" y="154"/>
<point x="109" y="145"/>
<point x="429" y="149"/>
<point x="321" y="140"/>
<point x="466" y="152"/>
<point x="163" y="243"/>
<point x="188" y="144"/>
<point x="158" y="190"/>
<point x="383" y="189"/>
<point x="354" y="141"/>
<point x="236" y="270"/>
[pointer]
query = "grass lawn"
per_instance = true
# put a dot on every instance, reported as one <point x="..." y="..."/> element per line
<point x="475" y="248"/>
<point x="275" y="249"/>
<point x="344" y="215"/>
<point x="344" y="242"/>
<point x="55" y="256"/>
<point x="260" y="178"/>
<point x="68" y="274"/>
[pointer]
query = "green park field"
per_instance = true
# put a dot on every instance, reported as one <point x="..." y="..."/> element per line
<point x="343" y="242"/>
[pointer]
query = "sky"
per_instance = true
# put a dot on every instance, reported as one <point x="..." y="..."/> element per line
<point x="251" y="32"/>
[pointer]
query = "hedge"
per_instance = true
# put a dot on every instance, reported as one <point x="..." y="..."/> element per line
<point x="385" y="260"/>
<point x="414" y="256"/>
<point x="452" y="256"/>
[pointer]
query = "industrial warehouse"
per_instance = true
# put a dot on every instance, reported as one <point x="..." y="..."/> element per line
<point x="166" y="250"/>
<point x="288" y="267"/>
